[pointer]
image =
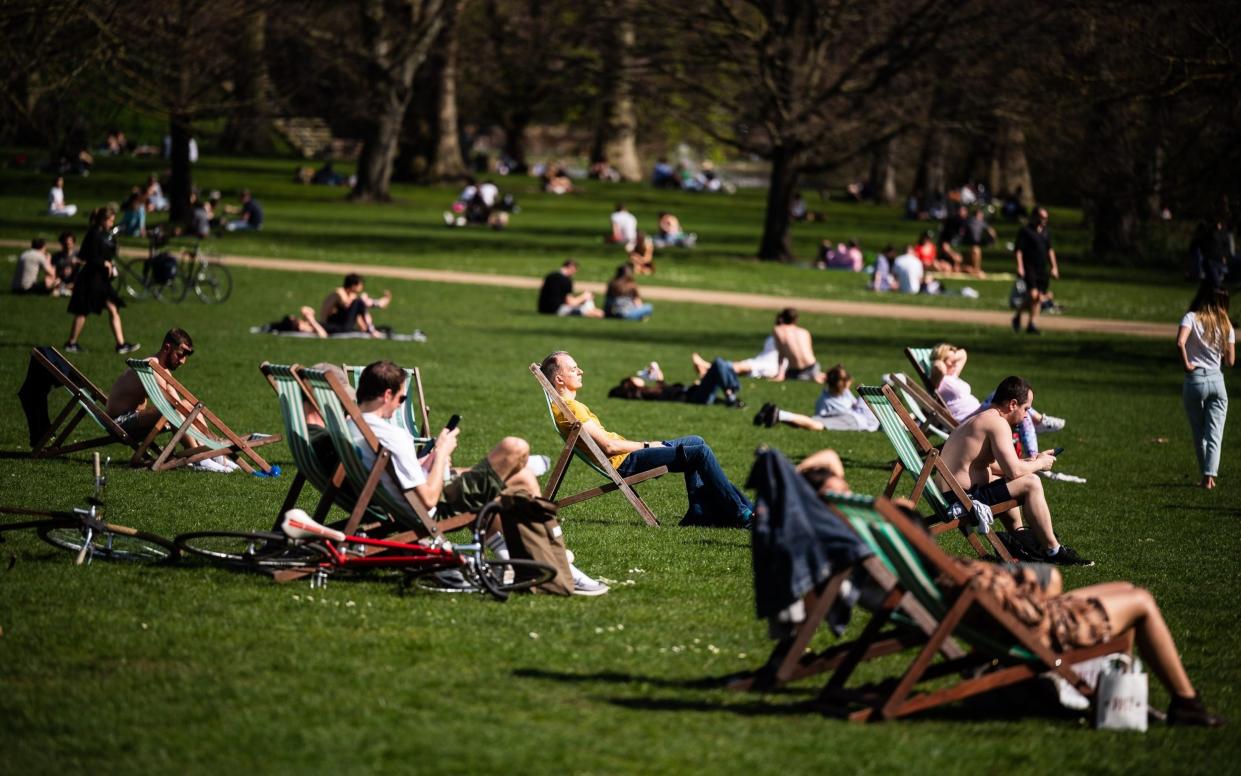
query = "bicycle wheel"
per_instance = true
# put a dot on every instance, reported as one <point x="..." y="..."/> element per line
<point x="213" y="283"/>
<point x="515" y="575"/>
<point x="117" y="543"/>
<point x="253" y="548"/>
<point x="170" y="291"/>
<point x="130" y="281"/>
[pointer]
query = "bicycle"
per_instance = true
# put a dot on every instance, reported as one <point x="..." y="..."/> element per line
<point x="85" y="532"/>
<point x="321" y="551"/>
<point x="162" y="276"/>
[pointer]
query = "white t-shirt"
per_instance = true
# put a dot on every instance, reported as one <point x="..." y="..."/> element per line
<point x="624" y="226"/>
<point x="399" y="443"/>
<point x="958" y="397"/>
<point x="489" y="193"/>
<point x="29" y="265"/>
<point x="908" y="271"/>
<point x="1201" y="354"/>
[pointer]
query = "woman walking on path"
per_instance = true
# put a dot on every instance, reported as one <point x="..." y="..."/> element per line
<point x="1206" y="340"/>
<point x="93" y="292"/>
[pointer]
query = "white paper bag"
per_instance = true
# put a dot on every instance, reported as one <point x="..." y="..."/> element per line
<point x="1120" y="700"/>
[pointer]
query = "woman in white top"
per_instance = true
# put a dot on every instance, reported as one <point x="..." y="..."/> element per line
<point x="56" y="200"/>
<point x="1206" y="340"/>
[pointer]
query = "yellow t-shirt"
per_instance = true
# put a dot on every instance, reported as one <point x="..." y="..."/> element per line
<point x="583" y="413"/>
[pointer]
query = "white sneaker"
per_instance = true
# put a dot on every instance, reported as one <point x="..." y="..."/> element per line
<point x="1062" y="477"/>
<point x="1049" y="425"/>
<point x="212" y="465"/>
<point x="538" y="465"/>
<point x="419" y="335"/>
<point x="584" y="585"/>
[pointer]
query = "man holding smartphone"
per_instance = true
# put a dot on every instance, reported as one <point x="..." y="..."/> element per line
<point x="381" y="392"/>
<point x="981" y="455"/>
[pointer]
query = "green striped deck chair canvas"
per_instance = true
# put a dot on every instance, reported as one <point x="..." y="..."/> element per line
<point x="291" y="394"/>
<point x="919" y="459"/>
<point x="920" y="360"/>
<point x="192" y="423"/>
<point x="592" y="456"/>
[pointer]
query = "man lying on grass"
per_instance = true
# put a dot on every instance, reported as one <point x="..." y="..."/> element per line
<point x="713" y="500"/>
<point x="981" y="455"/>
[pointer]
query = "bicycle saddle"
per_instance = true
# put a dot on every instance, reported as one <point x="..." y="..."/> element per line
<point x="299" y="525"/>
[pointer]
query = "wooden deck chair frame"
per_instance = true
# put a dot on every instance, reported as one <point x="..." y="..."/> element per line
<point x="920" y="360"/>
<point x="930" y="463"/>
<point x="1008" y="650"/>
<point x="283" y="379"/>
<point x="596" y="460"/>
<point x="291" y="391"/>
<point x="336" y="405"/>
<point x="938" y="418"/>
<point x="89" y="402"/>
<point x="413" y="418"/>
<point x="791" y="658"/>
<point x="182" y="425"/>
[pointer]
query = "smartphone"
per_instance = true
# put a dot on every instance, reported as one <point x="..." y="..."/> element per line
<point x="452" y="423"/>
<point x="1057" y="451"/>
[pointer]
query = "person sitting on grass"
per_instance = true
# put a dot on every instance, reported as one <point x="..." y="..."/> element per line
<point x="250" y="212"/>
<point x="442" y="490"/>
<point x="34" y="273"/>
<point x="622" y="300"/>
<point x="641" y="252"/>
<point x="947" y="362"/>
<point x="980" y="454"/>
<point x="713" y="500"/>
<point x="796" y="349"/>
<point x="671" y="235"/>
<point x="347" y="309"/>
<point x="649" y="385"/>
<point x="837" y="409"/>
<point x="624" y="226"/>
<point x="556" y="297"/>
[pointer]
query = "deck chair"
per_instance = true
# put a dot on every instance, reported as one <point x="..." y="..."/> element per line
<point x="926" y="408"/>
<point x="221" y="442"/>
<point x="411" y="417"/>
<point x="291" y="391"/>
<point x="920" y="359"/>
<point x="1001" y="647"/>
<point x="920" y="459"/>
<point x="407" y="510"/>
<point x="85" y="401"/>
<point x="792" y="659"/>
<point x="592" y="456"/>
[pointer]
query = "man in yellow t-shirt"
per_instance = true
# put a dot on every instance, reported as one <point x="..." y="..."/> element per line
<point x="713" y="499"/>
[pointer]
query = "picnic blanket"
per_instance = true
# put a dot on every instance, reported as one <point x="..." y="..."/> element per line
<point x="416" y="336"/>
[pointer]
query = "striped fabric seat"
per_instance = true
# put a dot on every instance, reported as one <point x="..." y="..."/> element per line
<point x="903" y="443"/>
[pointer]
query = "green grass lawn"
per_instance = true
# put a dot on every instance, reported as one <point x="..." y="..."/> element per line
<point x="195" y="669"/>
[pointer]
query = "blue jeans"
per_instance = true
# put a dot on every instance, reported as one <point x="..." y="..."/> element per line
<point x="1206" y="405"/>
<point x="713" y="500"/>
<point x="719" y="377"/>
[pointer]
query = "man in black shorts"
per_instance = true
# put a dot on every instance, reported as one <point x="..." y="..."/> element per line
<point x="1036" y="263"/>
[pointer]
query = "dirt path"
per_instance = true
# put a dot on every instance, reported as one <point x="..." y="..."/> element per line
<point x="999" y="319"/>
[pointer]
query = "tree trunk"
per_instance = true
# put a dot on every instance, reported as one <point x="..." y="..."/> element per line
<point x="182" y="183"/>
<point x="379" y="147"/>
<point x="883" y="174"/>
<point x="515" y="142"/>
<point x="775" y="245"/>
<point x="621" y="149"/>
<point x="447" y="164"/>
<point x="249" y="127"/>
<point x="1014" y="169"/>
<point x="1116" y="224"/>
<point x="930" y="179"/>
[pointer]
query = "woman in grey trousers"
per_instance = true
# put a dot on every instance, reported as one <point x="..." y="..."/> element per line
<point x="1207" y="341"/>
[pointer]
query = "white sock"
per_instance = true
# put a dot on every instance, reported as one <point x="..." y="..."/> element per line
<point x="498" y="545"/>
<point x="784" y="416"/>
<point x="538" y="465"/>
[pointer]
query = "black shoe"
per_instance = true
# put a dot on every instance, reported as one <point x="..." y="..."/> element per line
<point x="1017" y="322"/>
<point x="1016" y="547"/>
<point x="1067" y="556"/>
<point x="766" y="416"/>
<point x="125" y="348"/>
<point x="1191" y="711"/>
<point x="71" y="347"/>
<point x="1032" y="329"/>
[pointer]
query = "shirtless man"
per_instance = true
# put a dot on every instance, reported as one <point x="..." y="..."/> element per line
<point x="795" y="349"/>
<point x="127" y="401"/>
<point x="347" y="308"/>
<point x="980" y="454"/>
